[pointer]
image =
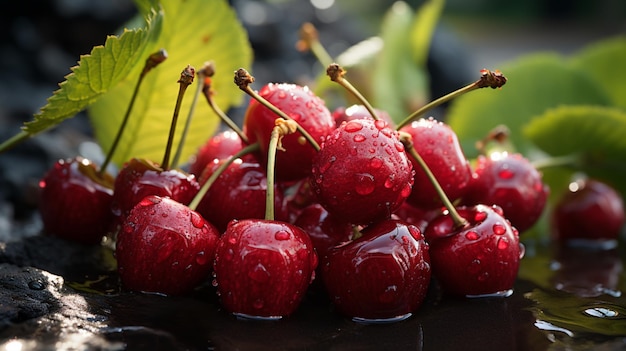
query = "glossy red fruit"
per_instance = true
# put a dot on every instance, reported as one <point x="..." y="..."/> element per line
<point x="140" y="178"/>
<point x="238" y="193"/>
<point x="479" y="259"/>
<point x="263" y="268"/>
<point x="345" y="114"/>
<point x="165" y="247"/>
<point x="383" y="275"/>
<point x="511" y="182"/>
<point x="362" y="173"/>
<point x="324" y="229"/>
<point x="304" y="107"/>
<point x="220" y="146"/>
<point x="439" y="146"/>
<point x="591" y="210"/>
<point x="75" y="203"/>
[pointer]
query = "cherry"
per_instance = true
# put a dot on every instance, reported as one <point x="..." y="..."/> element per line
<point x="439" y="146"/>
<point x="590" y="210"/>
<point x="301" y="105"/>
<point x="164" y="247"/>
<point x="345" y="114"/>
<point x="238" y="193"/>
<point x="220" y="146"/>
<point x="479" y="258"/>
<point x="383" y="275"/>
<point x="263" y="267"/>
<point x="361" y="173"/>
<point x="75" y="202"/>
<point x="511" y="182"/>
<point x="324" y="229"/>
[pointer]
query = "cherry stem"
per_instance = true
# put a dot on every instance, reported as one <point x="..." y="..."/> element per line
<point x="192" y="109"/>
<point x="557" y="161"/>
<point x="336" y="74"/>
<point x="208" y="94"/>
<point x="283" y="127"/>
<point x="309" y="40"/>
<point x="407" y="140"/>
<point x="488" y="78"/>
<point x="186" y="78"/>
<point x="248" y="149"/>
<point x="151" y="62"/>
<point x="243" y="79"/>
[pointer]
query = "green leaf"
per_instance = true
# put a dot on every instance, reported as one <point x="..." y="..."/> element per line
<point x="400" y="85"/>
<point x="194" y="31"/>
<point x="424" y="24"/>
<point x="96" y="73"/>
<point x="603" y="62"/>
<point x="535" y="83"/>
<point x="595" y="133"/>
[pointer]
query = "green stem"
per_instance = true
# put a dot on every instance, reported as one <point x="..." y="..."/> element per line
<point x="183" y="136"/>
<point x="14" y="140"/>
<point x="225" y="119"/>
<point x="205" y="187"/>
<point x="151" y="62"/>
<point x="186" y="78"/>
<point x="271" y="165"/>
<point x="336" y="73"/>
<point x="309" y="39"/>
<point x="454" y="214"/>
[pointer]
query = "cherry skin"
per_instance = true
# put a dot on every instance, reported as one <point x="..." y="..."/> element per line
<point x="511" y="182"/>
<point x="324" y="229"/>
<point x="300" y="104"/>
<point x="383" y="275"/>
<point x="140" y="178"/>
<point x="263" y="268"/>
<point x="362" y="173"/>
<point x="479" y="259"/>
<point x="590" y="209"/>
<point x="75" y="203"/>
<point x="439" y="146"/>
<point x="345" y="114"/>
<point x="165" y="247"/>
<point x="238" y="193"/>
<point x="220" y="146"/>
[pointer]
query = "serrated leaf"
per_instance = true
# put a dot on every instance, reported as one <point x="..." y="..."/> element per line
<point x="535" y="83"/>
<point x="400" y="85"/>
<point x="194" y="31"/>
<point x="603" y="62"/>
<point x="95" y="74"/>
<point x="594" y="133"/>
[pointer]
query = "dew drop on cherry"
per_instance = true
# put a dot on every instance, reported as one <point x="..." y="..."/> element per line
<point x="471" y="235"/>
<point x="196" y="220"/>
<point x="503" y="243"/>
<point x="282" y="235"/>
<point x="259" y="273"/>
<point x="389" y="295"/>
<point x="380" y="124"/>
<point x="150" y="201"/>
<point x="364" y="184"/>
<point x="359" y="138"/>
<point x="499" y="229"/>
<point x="201" y="258"/>
<point x="480" y="216"/>
<point x="376" y="163"/>
<point x="353" y="126"/>
<point x="506" y="174"/>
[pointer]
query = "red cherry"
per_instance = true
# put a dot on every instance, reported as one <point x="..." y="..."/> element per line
<point x="590" y="209"/>
<point x="263" y="268"/>
<point x="381" y="276"/>
<point x="511" y="182"/>
<point x="479" y="259"/>
<point x="324" y="229"/>
<point x="238" y="193"/>
<point x="362" y="173"/>
<point x="439" y="146"/>
<point x="304" y="107"/>
<point x="219" y="146"/>
<point x="164" y="247"/>
<point x="75" y="203"/>
<point x="343" y="114"/>
<point x="140" y="178"/>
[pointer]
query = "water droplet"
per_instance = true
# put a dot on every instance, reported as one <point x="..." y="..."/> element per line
<point x="358" y="138"/>
<point x="474" y="267"/>
<point x="201" y="258"/>
<point x="499" y="229"/>
<point x="389" y="295"/>
<point x="376" y="163"/>
<point x="389" y="181"/>
<point x="150" y="201"/>
<point x="503" y="243"/>
<point x="471" y="235"/>
<point x="506" y="174"/>
<point x="36" y="285"/>
<point x="380" y="124"/>
<point x="522" y="250"/>
<point x="196" y="220"/>
<point x="483" y="277"/>
<point x="214" y="283"/>
<point x="601" y="312"/>
<point x="259" y="273"/>
<point x="353" y="126"/>
<point x="232" y="240"/>
<point x="480" y="216"/>
<point x="364" y="183"/>
<point x="399" y="147"/>
<point x="282" y="235"/>
<point x="129" y="227"/>
<point x="406" y="190"/>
